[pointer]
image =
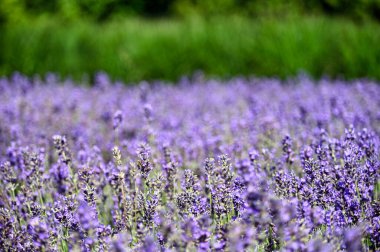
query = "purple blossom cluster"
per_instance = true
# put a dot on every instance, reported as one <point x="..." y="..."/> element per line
<point x="245" y="165"/>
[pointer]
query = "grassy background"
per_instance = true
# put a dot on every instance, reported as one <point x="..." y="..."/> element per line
<point x="136" y="49"/>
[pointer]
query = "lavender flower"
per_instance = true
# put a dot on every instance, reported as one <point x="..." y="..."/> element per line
<point x="117" y="119"/>
<point x="144" y="164"/>
<point x="215" y="170"/>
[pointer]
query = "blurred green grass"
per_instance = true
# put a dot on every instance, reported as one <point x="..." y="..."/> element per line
<point x="139" y="49"/>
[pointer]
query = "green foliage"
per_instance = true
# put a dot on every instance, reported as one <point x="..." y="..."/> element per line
<point x="208" y="7"/>
<point x="12" y="11"/>
<point x="133" y="49"/>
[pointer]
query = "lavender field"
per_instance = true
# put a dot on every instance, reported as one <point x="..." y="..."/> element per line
<point x="243" y="165"/>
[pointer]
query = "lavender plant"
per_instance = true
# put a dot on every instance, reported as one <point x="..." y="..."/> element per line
<point x="246" y="165"/>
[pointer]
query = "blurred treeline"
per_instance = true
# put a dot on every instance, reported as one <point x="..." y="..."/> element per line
<point x="100" y="11"/>
<point x="134" y="40"/>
